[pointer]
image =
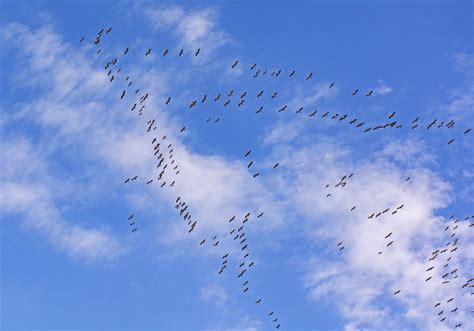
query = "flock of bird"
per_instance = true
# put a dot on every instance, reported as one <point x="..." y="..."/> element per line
<point x="167" y="168"/>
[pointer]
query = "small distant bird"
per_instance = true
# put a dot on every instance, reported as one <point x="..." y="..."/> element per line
<point x="202" y="242"/>
<point x="248" y="153"/>
<point x="81" y="40"/>
<point x="253" y="66"/>
<point x="369" y="94"/>
<point x="148" y="52"/>
<point x="276" y="165"/>
<point x="331" y="85"/>
<point x="292" y="73"/>
<point x="450" y="142"/>
<point x="467" y="131"/>
<point x="181" y="52"/>
<point x="235" y="64"/>
<point x="258" y="301"/>
<point x="396" y="292"/>
<point x="197" y="52"/>
<point x="355" y="92"/>
<point x="184" y="128"/>
<point x="165" y="52"/>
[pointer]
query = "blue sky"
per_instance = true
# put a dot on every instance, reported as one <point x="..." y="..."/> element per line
<point x="68" y="258"/>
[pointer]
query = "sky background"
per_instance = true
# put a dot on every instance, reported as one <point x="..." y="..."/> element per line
<point x="67" y="143"/>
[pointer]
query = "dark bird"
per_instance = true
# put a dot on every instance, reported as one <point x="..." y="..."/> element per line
<point x="258" y="301"/>
<point x="260" y="94"/>
<point x="165" y="52"/>
<point x="331" y="85"/>
<point x="292" y="73"/>
<point x="282" y="109"/>
<point x="309" y="76"/>
<point x="396" y="292"/>
<point x="131" y="224"/>
<point x="248" y="153"/>
<point x="431" y="124"/>
<point x="390" y="243"/>
<point x="450" y="142"/>
<point x="313" y="113"/>
<point x="134" y="230"/>
<point x="253" y="66"/>
<point x="276" y="165"/>
<point x="202" y="242"/>
<point x="274" y="95"/>
<point x="81" y="40"/>
<point x="427" y="279"/>
<point x="123" y="94"/>
<point x="255" y="175"/>
<point x="250" y="164"/>
<point x="246" y="289"/>
<point x="184" y="128"/>
<point x="235" y="64"/>
<point x="391" y="115"/>
<point x="181" y="52"/>
<point x="197" y="52"/>
<point x="355" y="92"/>
<point x="148" y="52"/>
<point x="388" y="235"/>
<point x="260" y="215"/>
<point x="467" y="131"/>
<point x="369" y="94"/>
<point x="168" y="100"/>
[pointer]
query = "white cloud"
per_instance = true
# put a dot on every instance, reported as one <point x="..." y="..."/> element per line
<point x="382" y="88"/>
<point x="194" y="29"/>
<point x="359" y="279"/>
<point x="27" y="189"/>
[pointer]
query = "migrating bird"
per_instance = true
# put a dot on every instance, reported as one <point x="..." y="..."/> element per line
<point x="148" y="52"/>
<point x="331" y="85"/>
<point x="197" y="52"/>
<point x="369" y="94"/>
<point x="235" y="64"/>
